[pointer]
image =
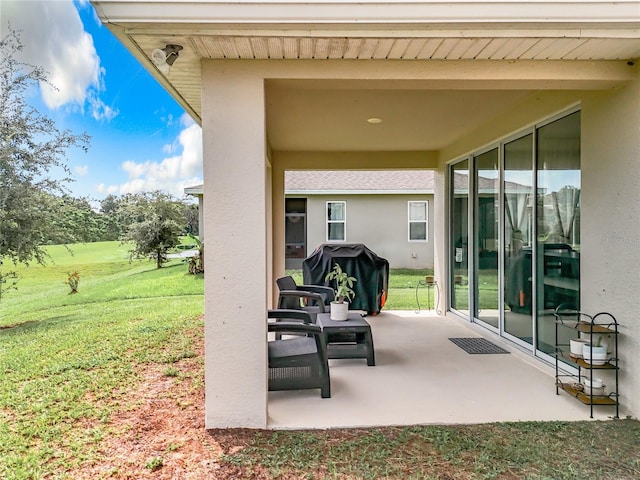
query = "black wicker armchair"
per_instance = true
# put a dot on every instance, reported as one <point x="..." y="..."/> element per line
<point x="310" y="298"/>
<point x="298" y="361"/>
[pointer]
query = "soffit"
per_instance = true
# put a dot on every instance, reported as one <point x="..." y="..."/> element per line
<point x="371" y="30"/>
<point x="355" y="181"/>
<point x="186" y="79"/>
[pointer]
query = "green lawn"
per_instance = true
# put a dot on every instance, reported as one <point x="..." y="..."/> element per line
<point x="105" y="274"/>
<point x="67" y="359"/>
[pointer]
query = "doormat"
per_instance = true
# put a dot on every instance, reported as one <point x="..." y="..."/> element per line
<point x="477" y="345"/>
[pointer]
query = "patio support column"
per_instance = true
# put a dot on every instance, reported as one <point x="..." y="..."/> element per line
<point x="440" y="237"/>
<point x="235" y="220"/>
<point x="278" y="204"/>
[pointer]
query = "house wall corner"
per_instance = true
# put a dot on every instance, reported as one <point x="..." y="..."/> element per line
<point x="610" y="222"/>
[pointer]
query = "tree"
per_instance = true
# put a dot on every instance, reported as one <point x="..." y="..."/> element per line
<point x="32" y="149"/>
<point x="192" y="218"/>
<point x="156" y="223"/>
<point x="116" y="224"/>
<point x="75" y="221"/>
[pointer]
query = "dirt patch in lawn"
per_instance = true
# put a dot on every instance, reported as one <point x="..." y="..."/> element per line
<point x="159" y="431"/>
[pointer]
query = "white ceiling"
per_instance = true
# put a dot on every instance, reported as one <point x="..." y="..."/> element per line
<point x="301" y="118"/>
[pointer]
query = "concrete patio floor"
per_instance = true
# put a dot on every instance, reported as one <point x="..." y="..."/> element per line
<point x="421" y="377"/>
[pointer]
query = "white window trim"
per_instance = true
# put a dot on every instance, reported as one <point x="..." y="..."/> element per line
<point x="425" y="221"/>
<point x="327" y="221"/>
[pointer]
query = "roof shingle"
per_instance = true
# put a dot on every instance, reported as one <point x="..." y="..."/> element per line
<point x="359" y="181"/>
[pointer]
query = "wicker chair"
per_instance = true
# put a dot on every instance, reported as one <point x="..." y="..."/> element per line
<point x="311" y="298"/>
<point x="298" y="361"/>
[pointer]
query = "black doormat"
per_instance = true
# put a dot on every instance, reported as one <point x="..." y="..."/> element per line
<point x="477" y="345"/>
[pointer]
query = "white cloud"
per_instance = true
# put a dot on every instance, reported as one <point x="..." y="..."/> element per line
<point x="99" y="110"/>
<point x="172" y="174"/>
<point x="82" y="170"/>
<point x="54" y="38"/>
<point x="107" y="190"/>
<point x="186" y="120"/>
<point x="170" y="148"/>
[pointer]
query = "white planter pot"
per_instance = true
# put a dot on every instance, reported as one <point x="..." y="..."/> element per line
<point x="593" y="390"/>
<point x="576" y="345"/>
<point x="595" y="382"/>
<point x="594" y="355"/>
<point x="339" y="311"/>
<point x="595" y="387"/>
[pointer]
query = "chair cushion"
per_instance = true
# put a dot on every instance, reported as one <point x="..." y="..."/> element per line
<point x="291" y="347"/>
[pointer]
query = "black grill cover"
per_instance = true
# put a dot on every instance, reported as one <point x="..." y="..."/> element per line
<point x="370" y="270"/>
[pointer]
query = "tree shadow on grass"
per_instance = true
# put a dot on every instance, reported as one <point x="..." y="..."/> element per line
<point x="17" y="325"/>
<point x="28" y="325"/>
<point x="153" y="268"/>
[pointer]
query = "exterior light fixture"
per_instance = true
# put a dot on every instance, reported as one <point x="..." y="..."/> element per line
<point x="163" y="58"/>
<point x="374" y="120"/>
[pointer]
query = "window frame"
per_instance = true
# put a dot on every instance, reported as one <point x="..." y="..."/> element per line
<point x="329" y="222"/>
<point x="425" y="221"/>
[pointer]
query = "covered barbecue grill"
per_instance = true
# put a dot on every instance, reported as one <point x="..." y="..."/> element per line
<point x="370" y="270"/>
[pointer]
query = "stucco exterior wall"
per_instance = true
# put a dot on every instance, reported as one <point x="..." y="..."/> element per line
<point x="611" y="221"/>
<point x="235" y="222"/>
<point x="535" y="109"/>
<point x="378" y="221"/>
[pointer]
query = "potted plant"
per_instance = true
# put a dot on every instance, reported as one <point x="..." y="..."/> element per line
<point x="343" y="292"/>
<point x="576" y="345"/>
<point x="596" y="353"/>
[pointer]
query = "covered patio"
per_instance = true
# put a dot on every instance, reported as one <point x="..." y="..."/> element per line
<point x="421" y="377"/>
<point x="383" y="85"/>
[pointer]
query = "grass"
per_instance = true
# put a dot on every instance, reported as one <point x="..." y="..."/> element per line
<point x="107" y="265"/>
<point x="526" y="450"/>
<point x="67" y="360"/>
<point x="68" y="363"/>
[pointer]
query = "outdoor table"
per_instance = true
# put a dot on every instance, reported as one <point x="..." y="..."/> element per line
<point x="350" y="338"/>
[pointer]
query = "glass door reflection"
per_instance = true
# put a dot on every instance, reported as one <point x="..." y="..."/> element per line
<point x="558" y="224"/>
<point x="459" y="262"/>
<point x="487" y="201"/>
<point x="518" y="238"/>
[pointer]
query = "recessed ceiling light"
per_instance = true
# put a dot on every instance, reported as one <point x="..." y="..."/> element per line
<point x="374" y="120"/>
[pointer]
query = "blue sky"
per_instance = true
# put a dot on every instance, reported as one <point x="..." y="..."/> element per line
<point x="141" y="139"/>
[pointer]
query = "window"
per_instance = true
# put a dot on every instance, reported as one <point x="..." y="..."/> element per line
<point x="418" y="221"/>
<point x="336" y="221"/>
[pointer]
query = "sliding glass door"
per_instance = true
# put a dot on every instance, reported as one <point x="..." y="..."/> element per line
<point x="558" y="223"/>
<point x="518" y="238"/>
<point x="515" y="232"/>
<point x="487" y="203"/>
<point x="459" y="264"/>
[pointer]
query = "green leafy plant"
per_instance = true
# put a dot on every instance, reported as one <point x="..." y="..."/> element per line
<point x="73" y="279"/>
<point x="344" y="283"/>
<point x="196" y="263"/>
